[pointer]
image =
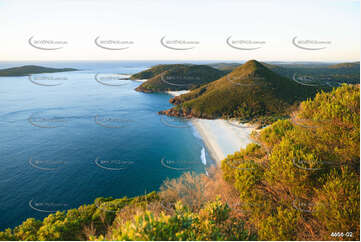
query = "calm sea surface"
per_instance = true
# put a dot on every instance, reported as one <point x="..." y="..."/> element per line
<point x="68" y="138"/>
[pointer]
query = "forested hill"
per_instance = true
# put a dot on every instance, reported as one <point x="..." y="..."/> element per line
<point x="248" y="92"/>
<point x="163" y="78"/>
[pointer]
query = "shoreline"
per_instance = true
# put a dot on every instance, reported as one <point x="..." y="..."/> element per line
<point x="214" y="151"/>
<point x="223" y="137"/>
<point x="177" y="93"/>
<point x="139" y="80"/>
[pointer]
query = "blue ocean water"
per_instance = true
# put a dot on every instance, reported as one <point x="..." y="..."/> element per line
<point x="66" y="139"/>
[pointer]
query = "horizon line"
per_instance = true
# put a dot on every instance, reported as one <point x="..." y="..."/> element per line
<point x="187" y="60"/>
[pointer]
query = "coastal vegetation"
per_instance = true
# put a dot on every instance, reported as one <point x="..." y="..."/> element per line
<point x="251" y="91"/>
<point x="303" y="179"/>
<point x="299" y="180"/>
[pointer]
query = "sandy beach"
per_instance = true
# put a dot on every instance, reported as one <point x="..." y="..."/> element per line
<point x="223" y="137"/>
<point x="177" y="93"/>
<point x="140" y="80"/>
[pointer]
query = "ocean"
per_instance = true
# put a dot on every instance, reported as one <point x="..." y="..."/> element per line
<point x="67" y="138"/>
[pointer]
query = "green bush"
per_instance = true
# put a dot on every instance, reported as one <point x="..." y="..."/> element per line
<point x="307" y="186"/>
<point x="211" y="223"/>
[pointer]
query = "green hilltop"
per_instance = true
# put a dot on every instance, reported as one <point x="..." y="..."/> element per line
<point x="249" y="91"/>
<point x="322" y="73"/>
<point x="176" y="77"/>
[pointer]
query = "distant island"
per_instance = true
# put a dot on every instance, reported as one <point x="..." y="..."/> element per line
<point x="162" y="78"/>
<point x="31" y="69"/>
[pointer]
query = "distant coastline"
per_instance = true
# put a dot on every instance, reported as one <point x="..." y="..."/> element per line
<point x="31" y="69"/>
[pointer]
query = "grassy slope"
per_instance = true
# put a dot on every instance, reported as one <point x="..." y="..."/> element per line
<point x="176" y="77"/>
<point x="248" y="91"/>
<point x="152" y="72"/>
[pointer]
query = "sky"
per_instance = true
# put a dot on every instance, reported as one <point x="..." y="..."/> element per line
<point x="271" y="26"/>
